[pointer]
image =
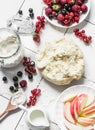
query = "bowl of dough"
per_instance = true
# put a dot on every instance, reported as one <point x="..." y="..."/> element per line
<point x="60" y="61"/>
<point x="11" y="52"/>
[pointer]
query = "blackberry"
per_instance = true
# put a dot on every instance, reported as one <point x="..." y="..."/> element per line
<point x="15" y="78"/>
<point x="32" y="63"/>
<point x="20" y="12"/>
<point x="4" y="79"/>
<point x="63" y="11"/>
<point x="16" y="84"/>
<point x="30" y="10"/>
<point x="12" y="88"/>
<point x="30" y="76"/>
<point x="31" y="15"/>
<point x="19" y="74"/>
<point x="50" y="17"/>
<point x="15" y="90"/>
<point x="66" y="6"/>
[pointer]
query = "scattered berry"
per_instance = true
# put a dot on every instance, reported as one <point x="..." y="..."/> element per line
<point x="23" y="83"/>
<point x="16" y="84"/>
<point x="36" y="38"/>
<point x="11" y="88"/>
<point x="15" y="78"/>
<point x="32" y="63"/>
<point x="19" y="74"/>
<point x="29" y="103"/>
<point x="33" y="92"/>
<point x="20" y="12"/>
<point x="31" y="15"/>
<point x="40" y="24"/>
<point x="33" y="98"/>
<point x="5" y="79"/>
<point x="30" y="76"/>
<point x="30" y="10"/>
<point x="83" y="36"/>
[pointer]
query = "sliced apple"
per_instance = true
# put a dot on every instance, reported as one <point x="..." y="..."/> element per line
<point x="70" y="99"/>
<point x="67" y="113"/>
<point x="71" y="126"/>
<point x="73" y="109"/>
<point x="86" y="121"/>
<point x="88" y="110"/>
<point x="81" y="102"/>
<point x="91" y="100"/>
<point x="77" y="105"/>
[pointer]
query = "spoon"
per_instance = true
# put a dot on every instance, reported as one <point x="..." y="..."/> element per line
<point x="9" y="107"/>
<point x="17" y="99"/>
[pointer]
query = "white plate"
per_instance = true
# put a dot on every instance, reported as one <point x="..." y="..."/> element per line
<point x="55" y="22"/>
<point x="59" y="109"/>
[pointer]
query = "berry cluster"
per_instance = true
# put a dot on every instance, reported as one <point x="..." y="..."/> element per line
<point x="66" y="12"/>
<point x="40" y="24"/>
<point x="29" y="67"/>
<point x="33" y="98"/>
<point x="81" y="34"/>
<point x="16" y="82"/>
<point x="31" y="13"/>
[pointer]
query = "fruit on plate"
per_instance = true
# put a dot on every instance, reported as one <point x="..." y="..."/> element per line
<point x="67" y="113"/>
<point x="86" y="121"/>
<point x="65" y="8"/>
<point x="79" y="111"/>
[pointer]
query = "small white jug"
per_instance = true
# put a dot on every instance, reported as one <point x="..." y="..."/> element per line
<point x="37" y="118"/>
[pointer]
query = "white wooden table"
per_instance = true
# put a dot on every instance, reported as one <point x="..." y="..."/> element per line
<point x="50" y="92"/>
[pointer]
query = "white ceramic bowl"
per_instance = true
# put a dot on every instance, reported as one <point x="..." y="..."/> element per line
<point x="59" y="109"/>
<point x="56" y="24"/>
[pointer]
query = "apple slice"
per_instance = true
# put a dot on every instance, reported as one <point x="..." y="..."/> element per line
<point x="81" y="102"/>
<point x="73" y="109"/>
<point x="77" y="105"/>
<point x="70" y="99"/>
<point x="88" y="110"/>
<point x="91" y="100"/>
<point x="71" y="126"/>
<point x="86" y="121"/>
<point x="67" y="113"/>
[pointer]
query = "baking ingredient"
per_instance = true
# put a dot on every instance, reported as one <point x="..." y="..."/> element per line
<point x="8" y="45"/>
<point x="37" y="118"/>
<point x="18" y="98"/>
<point x="79" y="111"/>
<point x="60" y="61"/>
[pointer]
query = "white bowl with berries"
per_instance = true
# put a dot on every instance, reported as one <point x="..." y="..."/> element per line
<point x="75" y="108"/>
<point x="66" y="13"/>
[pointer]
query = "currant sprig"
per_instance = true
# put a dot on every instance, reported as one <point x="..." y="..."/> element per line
<point x="33" y="98"/>
<point x="40" y="24"/>
<point x="81" y="35"/>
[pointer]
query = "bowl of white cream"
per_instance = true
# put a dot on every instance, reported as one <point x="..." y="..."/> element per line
<point x="10" y="48"/>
